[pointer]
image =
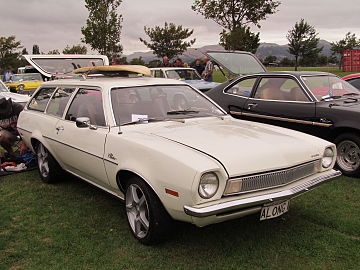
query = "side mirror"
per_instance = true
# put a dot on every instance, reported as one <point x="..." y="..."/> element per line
<point x="84" y="122"/>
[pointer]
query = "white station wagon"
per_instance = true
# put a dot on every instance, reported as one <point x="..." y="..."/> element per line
<point x="167" y="150"/>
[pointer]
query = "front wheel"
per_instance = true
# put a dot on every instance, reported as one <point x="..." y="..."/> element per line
<point x="348" y="154"/>
<point x="49" y="169"/>
<point x="147" y="218"/>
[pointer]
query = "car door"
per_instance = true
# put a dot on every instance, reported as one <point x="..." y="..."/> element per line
<point x="81" y="150"/>
<point x="280" y="100"/>
<point x="236" y="94"/>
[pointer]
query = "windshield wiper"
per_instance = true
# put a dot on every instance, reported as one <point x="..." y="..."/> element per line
<point x="151" y="119"/>
<point x="182" y="112"/>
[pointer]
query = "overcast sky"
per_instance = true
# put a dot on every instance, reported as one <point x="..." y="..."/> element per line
<point x="53" y="24"/>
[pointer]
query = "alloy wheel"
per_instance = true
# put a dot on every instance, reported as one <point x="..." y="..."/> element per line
<point x="348" y="157"/>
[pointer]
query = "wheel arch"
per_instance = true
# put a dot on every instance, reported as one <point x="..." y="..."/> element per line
<point x="342" y="130"/>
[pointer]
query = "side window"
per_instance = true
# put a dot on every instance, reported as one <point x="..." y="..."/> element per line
<point x="159" y="74"/>
<point x="285" y="89"/>
<point x="87" y="103"/>
<point x="242" y="88"/>
<point x="59" y="100"/>
<point x="355" y="82"/>
<point x="41" y="99"/>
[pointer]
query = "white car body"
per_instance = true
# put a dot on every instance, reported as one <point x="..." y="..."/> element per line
<point x="15" y="97"/>
<point x="176" y="72"/>
<point x="172" y="156"/>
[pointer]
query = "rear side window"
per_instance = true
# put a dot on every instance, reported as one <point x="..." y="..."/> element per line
<point x="87" y="103"/>
<point x="41" y="99"/>
<point x="242" y="88"/>
<point x="59" y="101"/>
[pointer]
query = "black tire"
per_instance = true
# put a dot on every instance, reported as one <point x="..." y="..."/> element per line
<point x="49" y="170"/>
<point x="348" y="154"/>
<point x="146" y="216"/>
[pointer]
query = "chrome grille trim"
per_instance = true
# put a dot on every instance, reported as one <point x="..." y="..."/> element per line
<point x="276" y="178"/>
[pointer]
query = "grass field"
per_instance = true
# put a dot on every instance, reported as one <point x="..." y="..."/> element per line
<point x="72" y="225"/>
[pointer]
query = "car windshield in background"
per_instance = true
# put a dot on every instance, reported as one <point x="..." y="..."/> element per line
<point x="183" y="74"/>
<point x="159" y="103"/>
<point x="62" y="66"/>
<point x="324" y="87"/>
<point x="26" y="77"/>
<point x="237" y="63"/>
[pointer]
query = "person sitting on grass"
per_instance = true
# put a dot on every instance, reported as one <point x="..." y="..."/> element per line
<point x="9" y="113"/>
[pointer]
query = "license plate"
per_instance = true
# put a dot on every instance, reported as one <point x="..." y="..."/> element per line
<point x="274" y="210"/>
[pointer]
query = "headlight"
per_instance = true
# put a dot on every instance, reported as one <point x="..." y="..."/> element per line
<point x="328" y="158"/>
<point x="209" y="184"/>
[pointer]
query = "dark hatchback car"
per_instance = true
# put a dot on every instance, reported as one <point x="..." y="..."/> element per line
<point x="353" y="79"/>
<point x="316" y="103"/>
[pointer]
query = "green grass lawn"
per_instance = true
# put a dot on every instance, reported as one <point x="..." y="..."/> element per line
<point x="72" y="225"/>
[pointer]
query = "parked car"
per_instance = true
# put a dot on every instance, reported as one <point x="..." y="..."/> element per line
<point x="128" y="136"/>
<point x="353" y="79"/>
<point x="317" y="103"/>
<point x="18" y="98"/>
<point x="189" y="75"/>
<point x="22" y="82"/>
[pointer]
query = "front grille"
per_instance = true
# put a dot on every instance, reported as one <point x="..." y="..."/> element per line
<point x="276" y="178"/>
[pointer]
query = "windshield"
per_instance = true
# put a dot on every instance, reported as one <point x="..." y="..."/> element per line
<point x="65" y="65"/>
<point x="3" y="87"/>
<point x="183" y="74"/>
<point x="329" y="86"/>
<point x="162" y="102"/>
<point x="237" y="63"/>
<point x="26" y="77"/>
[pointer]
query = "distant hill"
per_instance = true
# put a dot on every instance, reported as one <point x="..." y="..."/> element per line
<point x="264" y="50"/>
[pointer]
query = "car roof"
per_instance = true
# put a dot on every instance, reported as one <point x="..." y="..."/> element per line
<point x="294" y="73"/>
<point x="109" y="82"/>
<point x="171" y="68"/>
<point x="351" y="76"/>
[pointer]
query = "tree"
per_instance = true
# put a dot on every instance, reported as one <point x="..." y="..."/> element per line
<point x="348" y="43"/>
<point x="56" y="51"/>
<point x="271" y="59"/>
<point x="103" y="27"/>
<point x="241" y="39"/>
<point x="168" y="40"/>
<point x="9" y="55"/>
<point x="35" y="49"/>
<point x="234" y="16"/>
<point x="75" y="49"/>
<point x="303" y="41"/>
<point x="24" y="51"/>
<point x="137" y="61"/>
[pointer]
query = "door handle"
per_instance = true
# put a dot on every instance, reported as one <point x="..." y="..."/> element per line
<point x="58" y="129"/>
<point x="251" y="105"/>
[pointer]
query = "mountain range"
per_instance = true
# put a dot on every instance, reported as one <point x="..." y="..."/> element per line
<point x="264" y="50"/>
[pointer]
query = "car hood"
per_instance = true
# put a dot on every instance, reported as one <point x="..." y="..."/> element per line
<point x="244" y="147"/>
<point x="202" y="84"/>
<point x="18" y="98"/>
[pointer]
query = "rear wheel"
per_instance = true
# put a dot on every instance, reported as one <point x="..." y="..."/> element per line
<point x="147" y="218"/>
<point x="348" y="154"/>
<point x="49" y="169"/>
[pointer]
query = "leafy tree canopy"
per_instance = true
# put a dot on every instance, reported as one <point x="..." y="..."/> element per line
<point x="137" y="61"/>
<point x="56" y="51"/>
<point x="9" y="52"/>
<point x="168" y="40"/>
<point x="303" y="41"/>
<point x="35" y="49"/>
<point x="350" y="42"/>
<point x="232" y="14"/>
<point x="103" y="27"/>
<point x="241" y="39"/>
<point x="75" y="49"/>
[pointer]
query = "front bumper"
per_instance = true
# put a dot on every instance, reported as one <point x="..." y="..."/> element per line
<point x="254" y="202"/>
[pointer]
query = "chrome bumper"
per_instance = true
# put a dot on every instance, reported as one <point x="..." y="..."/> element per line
<point x="247" y="203"/>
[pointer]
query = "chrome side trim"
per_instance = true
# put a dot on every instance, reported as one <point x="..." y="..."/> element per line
<point x="258" y="200"/>
<point x="282" y="119"/>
